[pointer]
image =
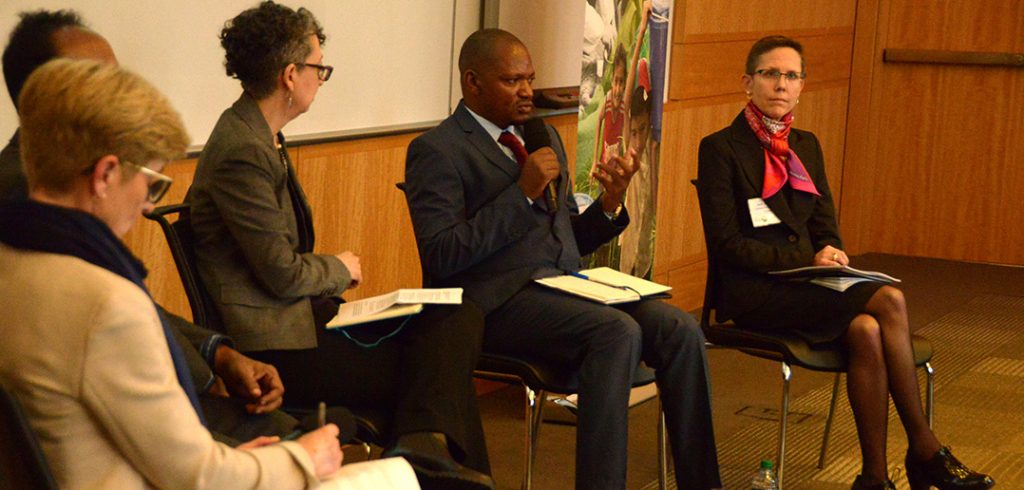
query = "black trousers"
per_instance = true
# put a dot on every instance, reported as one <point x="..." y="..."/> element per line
<point x="606" y="343"/>
<point x="231" y="424"/>
<point x="423" y="375"/>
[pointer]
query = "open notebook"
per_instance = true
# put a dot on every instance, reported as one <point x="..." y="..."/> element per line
<point x="401" y="302"/>
<point x="606" y="285"/>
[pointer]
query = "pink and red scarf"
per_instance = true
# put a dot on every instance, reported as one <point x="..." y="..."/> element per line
<point x="780" y="163"/>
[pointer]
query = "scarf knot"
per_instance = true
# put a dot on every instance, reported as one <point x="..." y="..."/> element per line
<point x="781" y="164"/>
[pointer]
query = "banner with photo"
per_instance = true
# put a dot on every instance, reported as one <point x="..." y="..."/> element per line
<point x="621" y="103"/>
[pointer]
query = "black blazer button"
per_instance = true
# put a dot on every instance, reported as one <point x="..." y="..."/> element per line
<point x="792" y="238"/>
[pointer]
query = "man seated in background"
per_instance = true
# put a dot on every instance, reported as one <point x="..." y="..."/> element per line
<point x="216" y="368"/>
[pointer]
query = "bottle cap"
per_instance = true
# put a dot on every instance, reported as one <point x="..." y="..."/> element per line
<point x="766" y="464"/>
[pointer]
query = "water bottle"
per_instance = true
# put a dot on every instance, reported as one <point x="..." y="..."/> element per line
<point x="764" y="479"/>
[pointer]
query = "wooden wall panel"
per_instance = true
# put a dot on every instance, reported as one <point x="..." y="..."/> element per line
<point x="935" y="172"/>
<point x="960" y="25"/>
<point x="707" y="69"/>
<point x="356" y="207"/>
<point x="714" y="18"/>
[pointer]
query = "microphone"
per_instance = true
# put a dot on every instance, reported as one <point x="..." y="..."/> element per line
<point x="536" y="136"/>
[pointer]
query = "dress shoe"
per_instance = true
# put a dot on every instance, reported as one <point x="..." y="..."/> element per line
<point x="435" y="468"/>
<point x="861" y="483"/>
<point x="945" y="472"/>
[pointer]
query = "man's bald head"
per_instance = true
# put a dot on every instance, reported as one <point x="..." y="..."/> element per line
<point x="481" y="48"/>
<point x="43" y="35"/>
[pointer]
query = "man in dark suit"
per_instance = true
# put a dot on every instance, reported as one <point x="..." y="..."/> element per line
<point x="482" y="222"/>
<point x="216" y="368"/>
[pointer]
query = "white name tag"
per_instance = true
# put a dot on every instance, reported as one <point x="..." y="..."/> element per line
<point x="760" y="213"/>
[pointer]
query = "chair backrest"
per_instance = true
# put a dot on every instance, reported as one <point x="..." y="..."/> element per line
<point x="709" y="286"/>
<point x="22" y="462"/>
<point x="181" y="241"/>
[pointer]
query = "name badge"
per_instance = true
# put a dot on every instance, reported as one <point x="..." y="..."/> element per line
<point x="761" y="214"/>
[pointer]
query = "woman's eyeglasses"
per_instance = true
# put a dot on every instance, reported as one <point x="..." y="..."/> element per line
<point x="158" y="184"/>
<point x="323" y="72"/>
<point x="791" y="76"/>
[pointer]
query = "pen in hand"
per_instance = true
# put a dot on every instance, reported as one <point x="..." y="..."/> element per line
<point x="321" y="414"/>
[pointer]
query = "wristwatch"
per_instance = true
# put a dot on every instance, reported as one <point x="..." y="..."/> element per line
<point x="614" y="215"/>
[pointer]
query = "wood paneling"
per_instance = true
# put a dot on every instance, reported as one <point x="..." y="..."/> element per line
<point x="934" y="172"/>
<point x="717" y="17"/>
<point x="959" y="25"/>
<point x="356" y="207"/>
<point x="706" y="69"/>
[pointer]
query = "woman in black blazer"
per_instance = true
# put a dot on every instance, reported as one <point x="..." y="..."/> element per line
<point x="766" y="206"/>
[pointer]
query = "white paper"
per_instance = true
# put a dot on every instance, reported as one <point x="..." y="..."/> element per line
<point x="377" y="304"/>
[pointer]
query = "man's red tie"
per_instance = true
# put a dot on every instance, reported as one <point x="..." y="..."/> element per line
<point x="512" y="143"/>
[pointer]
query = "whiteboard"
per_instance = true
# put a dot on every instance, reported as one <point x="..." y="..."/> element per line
<point x="393" y="59"/>
<point x="553" y="33"/>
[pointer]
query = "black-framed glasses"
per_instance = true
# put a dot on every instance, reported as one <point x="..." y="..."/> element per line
<point x="158" y="184"/>
<point x="773" y="74"/>
<point x="323" y="72"/>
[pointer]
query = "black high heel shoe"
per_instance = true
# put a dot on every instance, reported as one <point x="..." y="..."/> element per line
<point x="860" y="484"/>
<point x="946" y="472"/>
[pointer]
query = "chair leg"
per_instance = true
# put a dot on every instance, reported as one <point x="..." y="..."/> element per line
<point x="828" y="422"/>
<point x="787" y="374"/>
<point x="930" y="393"/>
<point x="662" y="449"/>
<point x="534" y="408"/>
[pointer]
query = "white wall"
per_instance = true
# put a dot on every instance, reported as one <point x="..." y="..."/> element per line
<point x="553" y="32"/>
<point x="392" y="58"/>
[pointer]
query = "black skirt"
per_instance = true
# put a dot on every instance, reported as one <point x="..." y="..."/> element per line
<point x="817" y="314"/>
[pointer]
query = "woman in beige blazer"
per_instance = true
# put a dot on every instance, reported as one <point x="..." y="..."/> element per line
<point x="84" y="349"/>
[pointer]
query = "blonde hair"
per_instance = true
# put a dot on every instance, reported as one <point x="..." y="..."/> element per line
<point x="73" y="112"/>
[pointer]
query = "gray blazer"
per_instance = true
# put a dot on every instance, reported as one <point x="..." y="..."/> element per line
<point x="475" y="228"/>
<point x="254" y="236"/>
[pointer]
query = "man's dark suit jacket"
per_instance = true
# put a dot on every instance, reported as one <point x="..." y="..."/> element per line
<point x="254" y="253"/>
<point x="476" y="229"/>
<point x="730" y="172"/>
<point x="12" y="178"/>
<point x="198" y="344"/>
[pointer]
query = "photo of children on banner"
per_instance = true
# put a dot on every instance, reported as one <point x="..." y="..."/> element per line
<point x="625" y="112"/>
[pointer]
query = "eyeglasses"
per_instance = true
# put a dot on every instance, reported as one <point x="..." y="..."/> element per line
<point x="323" y="72"/>
<point x="157" y="186"/>
<point x="773" y="74"/>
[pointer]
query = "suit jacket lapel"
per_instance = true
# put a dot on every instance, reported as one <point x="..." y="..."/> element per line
<point x="483" y="142"/>
<point x="750" y="155"/>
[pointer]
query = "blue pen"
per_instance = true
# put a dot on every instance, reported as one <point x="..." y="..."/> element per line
<point x="581" y="276"/>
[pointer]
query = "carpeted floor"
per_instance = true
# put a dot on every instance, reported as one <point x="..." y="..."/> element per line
<point x="973" y="314"/>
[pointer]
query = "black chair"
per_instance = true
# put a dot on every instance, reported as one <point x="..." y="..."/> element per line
<point x="539" y="378"/>
<point x="22" y="462"/>
<point x="791" y="350"/>
<point x="371" y="425"/>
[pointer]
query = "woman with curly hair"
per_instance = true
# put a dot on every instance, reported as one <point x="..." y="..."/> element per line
<point x="254" y="243"/>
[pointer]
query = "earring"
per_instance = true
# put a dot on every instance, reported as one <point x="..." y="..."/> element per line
<point x="749" y="93"/>
<point x="289" y="100"/>
<point x="797" y="101"/>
